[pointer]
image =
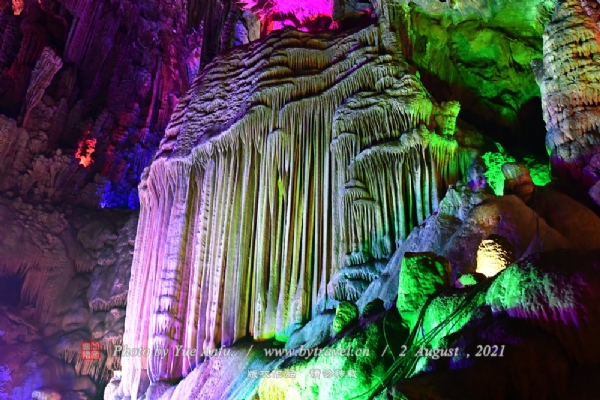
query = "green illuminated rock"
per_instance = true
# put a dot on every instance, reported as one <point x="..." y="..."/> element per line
<point x="494" y="160"/>
<point x="372" y="308"/>
<point x="558" y="291"/>
<point x="477" y="52"/>
<point x="421" y="275"/>
<point x="350" y="368"/>
<point x="466" y="280"/>
<point x="538" y="169"/>
<point x="345" y="315"/>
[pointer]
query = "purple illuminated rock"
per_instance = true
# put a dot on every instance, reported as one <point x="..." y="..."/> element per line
<point x="517" y="181"/>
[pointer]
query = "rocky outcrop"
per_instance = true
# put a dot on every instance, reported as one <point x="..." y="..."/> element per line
<point x="421" y="275"/>
<point x="569" y="78"/>
<point x="536" y="321"/>
<point x="551" y="220"/>
<point x="346" y="315"/>
<point x="558" y="291"/>
<point x="350" y="282"/>
<point x="317" y="331"/>
<point x="517" y="181"/>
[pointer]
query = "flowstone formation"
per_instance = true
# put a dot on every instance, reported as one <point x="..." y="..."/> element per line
<point x="540" y="314"/>
<point x="569" y="77"/>
<point x="285" y="161"/>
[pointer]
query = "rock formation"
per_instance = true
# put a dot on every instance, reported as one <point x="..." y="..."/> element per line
<point x="465" y="218"/>
<point x="346" y="315"/>
<point x="533" y="317"/>
<point x="569" y="77"/>
<point x="318" y="173"/>
<point x="517" y="181"/>
<point x="285" y="161"/>
<point x="558" y="292"/>
<point x="86" y="91"/>
<point x="421" y="275"/>
<point x="98" y="82"/>
<point x="65" y="273"/>
<point x="478" y="53"/>
<point x="493" y="255"/>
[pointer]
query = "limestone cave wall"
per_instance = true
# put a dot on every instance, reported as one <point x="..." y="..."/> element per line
<point x="88" y="89"/>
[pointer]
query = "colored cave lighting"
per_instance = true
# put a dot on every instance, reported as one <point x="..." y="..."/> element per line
<point x="302" y="10"/>
<point x="494" y="162"/>
<point x="17" y="6"/>
<point x="278" y="25"/>
<point x="85" y="151"/>
<point x="493" y="256"/>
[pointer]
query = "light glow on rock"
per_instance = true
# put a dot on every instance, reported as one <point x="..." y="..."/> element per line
<point x="85" y="151"/>
<point x="494" y="255"/>
<point x="278" y="14"/>
<point x="302" y="9"/>
<point x="18" y="6"/>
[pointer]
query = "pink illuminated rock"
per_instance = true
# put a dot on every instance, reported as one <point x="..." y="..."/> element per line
<point x="291" y="12"/>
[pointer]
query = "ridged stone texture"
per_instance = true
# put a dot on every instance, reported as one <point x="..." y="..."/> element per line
<point x="286" y="160"/>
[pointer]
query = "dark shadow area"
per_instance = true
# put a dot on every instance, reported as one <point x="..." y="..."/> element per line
<point x="525" y="135"/>
<point x="10" y="290"/>
<point x="532" y="128"/>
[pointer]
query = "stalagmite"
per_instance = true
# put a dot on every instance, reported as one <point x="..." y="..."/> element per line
<point x="287" y="160"/>
<point x="569" y="79"/>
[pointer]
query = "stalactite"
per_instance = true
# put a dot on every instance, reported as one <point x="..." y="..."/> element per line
<point x="284" y="162"/>
<point x="45" y="69"/>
